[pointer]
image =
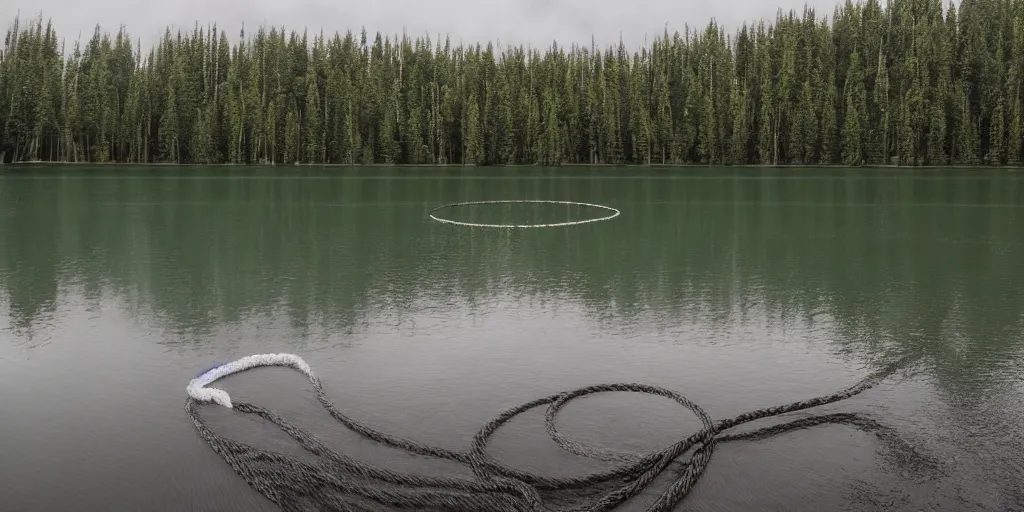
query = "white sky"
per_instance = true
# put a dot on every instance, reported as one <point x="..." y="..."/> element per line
<point x="535" y="22"/>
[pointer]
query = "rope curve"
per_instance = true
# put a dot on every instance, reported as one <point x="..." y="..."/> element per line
<point x="615" y="213"/>
<point x="337" y="482"/>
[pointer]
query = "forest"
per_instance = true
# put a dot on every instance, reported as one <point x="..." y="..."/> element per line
<point x="911" y="82"/>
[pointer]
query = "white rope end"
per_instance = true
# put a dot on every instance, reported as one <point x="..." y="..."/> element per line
<point x="197" y="387"/>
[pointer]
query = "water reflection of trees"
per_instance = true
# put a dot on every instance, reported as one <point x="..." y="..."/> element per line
<point x="924" y="262"/>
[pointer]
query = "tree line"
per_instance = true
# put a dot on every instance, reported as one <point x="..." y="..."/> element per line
<point x="908" y="83"/>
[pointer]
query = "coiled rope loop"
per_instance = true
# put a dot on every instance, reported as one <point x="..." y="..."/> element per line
<point x="614" y="213"/>
<point x="337" y="482"/>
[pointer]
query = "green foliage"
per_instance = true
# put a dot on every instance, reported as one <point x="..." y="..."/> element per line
<point x="911" y="83"/>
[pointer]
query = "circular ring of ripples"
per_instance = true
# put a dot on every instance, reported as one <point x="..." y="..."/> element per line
<point x="614" y="213"/>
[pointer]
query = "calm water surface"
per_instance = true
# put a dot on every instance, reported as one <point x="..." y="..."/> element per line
<point x="740" y="288"/>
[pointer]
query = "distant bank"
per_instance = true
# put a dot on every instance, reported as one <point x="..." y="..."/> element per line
<point x="910" y="84"/>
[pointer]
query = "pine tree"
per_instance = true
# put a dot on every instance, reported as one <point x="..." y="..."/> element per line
<point x="169" y="143"/>
<point x="474" y="138"/>
<point x="314" y="123"/>
<point x="854" y="113"/>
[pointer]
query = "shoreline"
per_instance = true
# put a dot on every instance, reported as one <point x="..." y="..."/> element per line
<point x="507" y="166"/>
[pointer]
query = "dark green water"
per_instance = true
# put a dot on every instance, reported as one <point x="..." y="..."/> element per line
<point x="739" y="288"/>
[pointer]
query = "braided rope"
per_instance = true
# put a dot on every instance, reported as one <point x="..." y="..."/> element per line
<point x="615" y="213"/>
<point x="337" y="482"/>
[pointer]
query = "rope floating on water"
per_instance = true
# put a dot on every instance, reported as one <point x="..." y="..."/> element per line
<point x="337" y="482"/>
<point x="614" y="213"/>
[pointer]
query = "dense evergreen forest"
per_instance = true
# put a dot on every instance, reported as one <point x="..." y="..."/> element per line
<point x="909" y="83"/>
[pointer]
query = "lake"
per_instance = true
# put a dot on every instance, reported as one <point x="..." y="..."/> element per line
<point x="740" y="288"/>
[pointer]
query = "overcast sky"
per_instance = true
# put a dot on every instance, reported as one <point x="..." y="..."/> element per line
<point x="536" y="22"/>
